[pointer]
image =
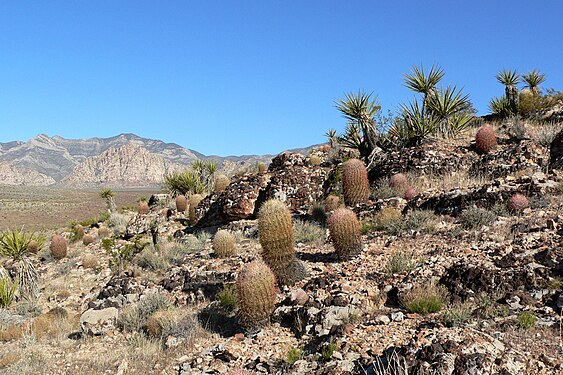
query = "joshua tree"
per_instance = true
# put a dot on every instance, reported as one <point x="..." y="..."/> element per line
<point x="360" y="110"/>
<point x="533" y="79"/>
<point x="108" y="194"/>
<point x="509" y="78"/>
<point x="331" y="136"/>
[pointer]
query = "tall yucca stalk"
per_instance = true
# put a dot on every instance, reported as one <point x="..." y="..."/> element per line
<point x="509" y="78"/>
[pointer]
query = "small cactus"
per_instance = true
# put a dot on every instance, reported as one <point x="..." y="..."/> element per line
<point x="224" y="243"/>
<point x="332" y="202"/>
<point x="58" y="246"/>
<point x="195" y="199"/>
<point x="277" y="240"/>
<point x="103" y="232"/>
<point x="78" y="232"/>
<point x="399" y="182"/>
<point x="517" y="203"/>
<point x="33" y="247"/>
<point x="221" y="183"/>
<point x="87" y="239"/>
<point x="355" y="184"/>
<point x="410" y="193"/>
<point x="485" y="139"/>
<point x="261" y="167"/>
<point x="181" y="203"/>
<point x="256" y="295"/>
<point x="345" y="233"/>
<point x="314" y="160"/>
<point x="143" y="208"/>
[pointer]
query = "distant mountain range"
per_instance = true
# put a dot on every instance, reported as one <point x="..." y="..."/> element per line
<point x="126" y="160"/>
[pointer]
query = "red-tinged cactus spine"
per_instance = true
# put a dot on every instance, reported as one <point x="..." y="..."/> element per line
<point x="485" y="139"/>
<point x="355" y="183"/>
<point x="517" y="203"/>
<point x="256" y="295"/>
<point x="345" y="233"/>
<point x="399" y="182"/>
<point x="410" y="193"/>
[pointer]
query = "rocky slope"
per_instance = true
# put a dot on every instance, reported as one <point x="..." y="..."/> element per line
<point x="128" y="166"/>
<point x="13" y="175"/>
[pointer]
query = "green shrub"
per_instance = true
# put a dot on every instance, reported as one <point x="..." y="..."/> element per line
<point x="387" y="218"/>
<point x="457" y="315"/>
<point x="294" y="355"/>
<point x="151" y="260"/>
<point x="134" y="317"/>
<point x="424" y="299"/>
<point x="307" y="232"/>
<point x="8" y="289"/>
<point x="328" y="351"/>
<point x="527" y="320"/>
<point x="228" y="297"/>
<point x="399" y="262"/>
<point x="256" y="295"/>
<point x="476" y="217"/>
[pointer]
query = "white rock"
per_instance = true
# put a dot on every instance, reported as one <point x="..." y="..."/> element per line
<point x="98" y="322"/>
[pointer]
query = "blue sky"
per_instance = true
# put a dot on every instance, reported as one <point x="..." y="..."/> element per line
<point x="249" y="77"/>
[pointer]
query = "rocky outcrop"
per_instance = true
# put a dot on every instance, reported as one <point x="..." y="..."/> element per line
<point x="289" y="179"/>
<point x="128" y="166"/>
<point x="556" y="152"/>
<point x="13" y="175"/>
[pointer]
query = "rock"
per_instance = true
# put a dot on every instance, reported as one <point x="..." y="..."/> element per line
<point x="98" y="322"/>
<point x="158" y="200"/>
<point x="556" y="152"/>
<point x="298" y="297"/>
<point x="382" y="319"/>
<point x="560" y="301"/>
<point x="397" y="316"/>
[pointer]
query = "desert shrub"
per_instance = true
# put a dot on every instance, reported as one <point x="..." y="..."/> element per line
<point x="526" y="320"/>
<point x="485" y="139"/>
<point x="8" y="289"/>
<point x="58" y="246"/>
<point x="366" y="226"/>
<point x="328" y="351"/>
<point x="517" y="203"/>
<point x="277" y="239"/>
<point x="424" y="299"/>
<point x="151" y="260"/>
<point x="308" y="232"/>
<point x="456" y="315"/>
<point x="383" y="190"/>
<point x="476" y="217"/>
<point x="134" y="317"/>
<point x="294" y="355"/>
<point x="256" y="295"/>
<point x="27" y="309"/>
<point x="418" y="220"/>
<point x="533" y="106"/>
<point x="400" y="261"/>
<point x="387" y="218"/>
<point x="77" y="232"/>
<point x="355" y="184"/>
<point x="260" y="167"/>
<point x="190" y="244"/>
<point x="228" y="297"/>
<point x="345" y="233"/>
<point x="317" y="213"/>
<point x="545" y="134"/>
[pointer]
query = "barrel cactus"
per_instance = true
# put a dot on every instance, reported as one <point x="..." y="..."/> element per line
<point x="33" y="247"/>
<point x="485" y="139"/>
<point x="58" y="246"/>
<point x="355" y="184"/>
<point x="256" y="295"/>
<point x="399" y="182"/>
<point x="517" y="203"/>
<point x="87" y="239"/>
<point x="277" y="239"/>
<point x="221" y="183"/>
<point x="410" y="193"/>
<point x="194" y="200"/>
<point x="224" y="243"/>
<point x="103" y="232"/>
<point x="261" y="167"/>
<point x="143" y="208"/>
<point x="332" y="202"/>
<point x="181" y="203"/>
<point x="345" y="233"/>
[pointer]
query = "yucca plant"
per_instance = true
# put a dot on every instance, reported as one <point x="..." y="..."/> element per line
<point x="186" y="182"/>
<point x="108" y="194"/>
<point x="359" y="109"/>
<point x="533" y="79"/>
<point x="500" y="106"/>
<point x="451" y="108"/>
<point x="332" y="137"/>
<point x="509" y="78"/>
<point x="13" y="243"/>
<point x="422" y="83"/>
<point x="8" y="288"/>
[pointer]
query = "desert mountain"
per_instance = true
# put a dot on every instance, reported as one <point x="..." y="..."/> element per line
<point x="89" y="162"/>
<point x="130" y="165"/>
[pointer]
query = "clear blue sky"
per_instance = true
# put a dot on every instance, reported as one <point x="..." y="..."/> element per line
<point x="240" y="77"/>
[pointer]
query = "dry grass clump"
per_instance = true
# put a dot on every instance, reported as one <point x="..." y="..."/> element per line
<point x="134" y="317"/>
<point x="476" y="217"/>
<point x="401" y="261"/>
<point x="387" y="218"/>
<point x="307" y="232"/>
<point x="425" y="299"/>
